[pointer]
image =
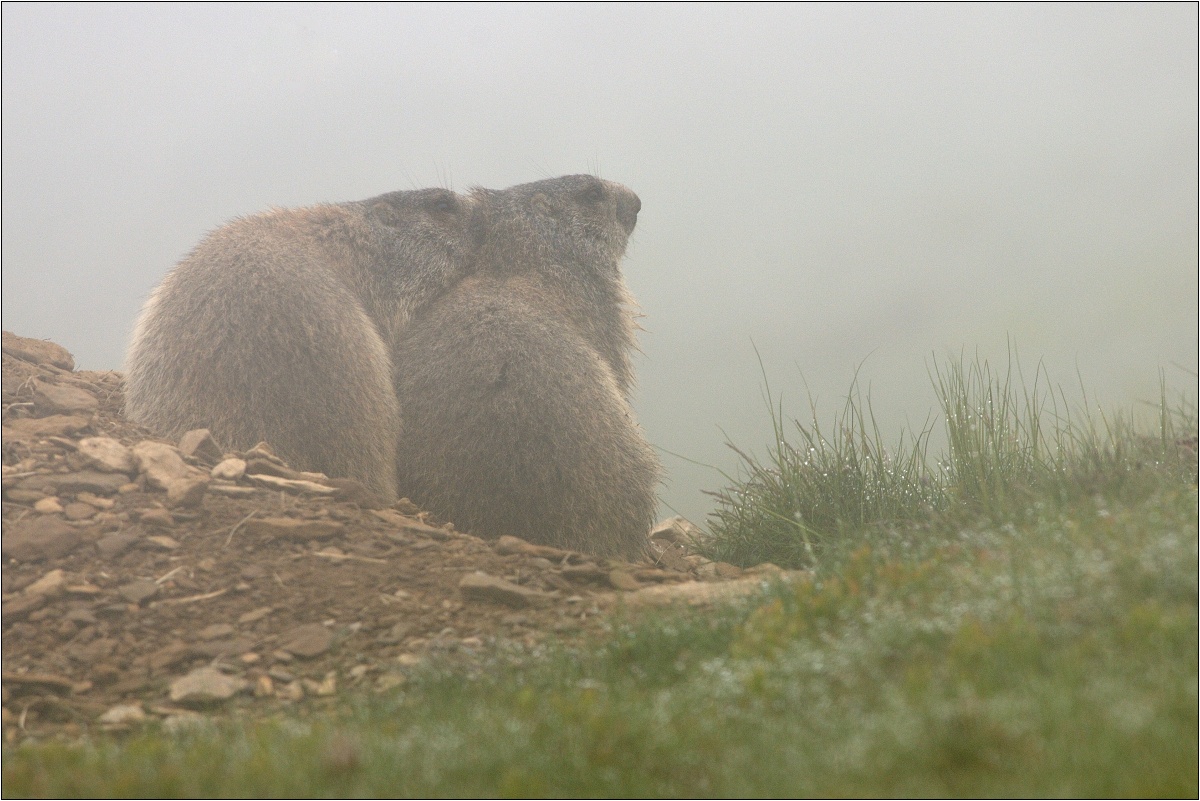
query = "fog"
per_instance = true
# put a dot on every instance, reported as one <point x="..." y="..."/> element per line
<point x="843" y="189"/>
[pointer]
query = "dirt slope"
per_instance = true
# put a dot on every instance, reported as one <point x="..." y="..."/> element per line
<point x="139" y="584"/>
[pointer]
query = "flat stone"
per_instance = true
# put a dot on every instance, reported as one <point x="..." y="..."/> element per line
<point x="621" y="580"/>
<point x="165" y="468"/>
<point x="56" y="425"/>
<point x="255" y="615"/>
<point x="78" y="511"/>
<point x="168" y="656"/>
<point x="229" y="469"/>
<point x="49" y="681"/>
<point x="307" y="641"/>
<point x="59" y="398"/>
<point x="123" y="715"/>
<point x="92" y="500"/>
<point x="214" y="631"/>
<point x="232" y="490"/>
<point x="676" y="529"/>
<point x="289" y="528"/>
<point x="36" y="538"/>
<point x="299" y="487"/>
<point x="205" y="685"/>
<point x="107" y="454"/>
<point x="18" y="608"/>
<point x="158" y="518"/>
<point x="91" y="481"/>
<point x="115" y="544"/>
<point x="222" y="647"/>
<point x="199" y="444"/>
<point x="703" y="593"/>
<point x="48" y="506"/>
<point x="508" y="545"/>
<point x="18" y="495"/>
<point x="163" y="541"/>
<point x="479" y="586"/>
<point x="137" y="591"/>
<point x="51" y="584"/>
<point x="37" y="351"/>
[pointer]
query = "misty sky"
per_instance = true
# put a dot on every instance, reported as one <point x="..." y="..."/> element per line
<point x="843" y="187"/>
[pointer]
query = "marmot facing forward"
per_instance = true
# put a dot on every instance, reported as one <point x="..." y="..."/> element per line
<point x="277" y="327"/>
<point x="514" y="384"/>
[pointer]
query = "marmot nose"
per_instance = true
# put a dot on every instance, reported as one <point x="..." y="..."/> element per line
<point x="627" y="210"/>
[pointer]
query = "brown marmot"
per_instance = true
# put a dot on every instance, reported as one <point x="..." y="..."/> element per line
<point x="278" y="327"/>
<point x="515" y="383"/>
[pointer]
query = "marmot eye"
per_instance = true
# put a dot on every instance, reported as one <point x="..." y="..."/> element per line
<point x="443" y="204"/>
<point x="593" y="194"/>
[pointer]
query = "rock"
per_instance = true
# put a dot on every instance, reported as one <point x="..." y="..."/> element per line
<point x="46" y="681"/>
<point x="33" y="539"/>
<point x="255" y="615"/>
<point x="78" y="511"/>
<point x="92" y="500"/>
<point x="292" y="485"/>
<point x="676" y="529"/>
<point x="48" y="506"/>
<point x="307" y="641"/>
<point x="479" y="586"/>
<point x="71" y="483"/>
<point x="702" y="593"/>
<point x="230" y="469"/>
<point x="508" y="545"/>
<point x="326" y="687"/>
<point x="621" y="580"/>
<point x="56" y="425"/>
<point x="670" y="555"/>
<point x="264" y="687"/>
<point x="59" y="398"/>
<point x="199" y="444"/>
<point x="205" y="685"/>
<point x="18" y="608"/>
<point x="766" y="569"/>
<point x="214" y="631"/>
<point x="137" y="591"/>
<point x="584" y="572"/>
<point x="37" y="351"/>
<point x="157" y="517"/>
<point x="115" y="544"/>
<point x="51" y="584"/>
<point x="164" y="468"/>
<point x="107" y="454"/>
<point x="164" y="542"/>
<point x="289" y="528"/>
<point x="123" y="715"/>
<point x="168" y="656"/>
<point x="24" y="496"/>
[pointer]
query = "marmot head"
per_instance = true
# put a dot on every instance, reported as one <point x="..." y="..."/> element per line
<point x="427" y="236"/>
<point x="578" y="222"/>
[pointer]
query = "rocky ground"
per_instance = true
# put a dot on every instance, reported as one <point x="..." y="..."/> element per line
<point x="146" y="579"/>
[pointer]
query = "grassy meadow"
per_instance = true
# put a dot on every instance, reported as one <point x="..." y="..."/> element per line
<point x="1016" y="617"/>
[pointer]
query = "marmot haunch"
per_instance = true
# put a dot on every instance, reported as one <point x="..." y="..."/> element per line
<point x="515" y="383"/>
<point x="278" y="327"/>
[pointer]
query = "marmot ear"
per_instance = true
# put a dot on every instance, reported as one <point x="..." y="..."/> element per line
<point x="541" y="203"/>
<point x="479" y="224"/>
<point x="384" y="211"/>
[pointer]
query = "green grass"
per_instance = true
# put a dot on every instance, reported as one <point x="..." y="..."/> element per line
<point x="1018" y="618"/>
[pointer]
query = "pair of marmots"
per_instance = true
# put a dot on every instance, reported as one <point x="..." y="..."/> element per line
<point x="468" y="352"/>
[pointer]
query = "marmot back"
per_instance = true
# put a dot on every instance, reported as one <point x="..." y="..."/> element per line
<point x="277" y="327"/>
<point x="515" y="384"/>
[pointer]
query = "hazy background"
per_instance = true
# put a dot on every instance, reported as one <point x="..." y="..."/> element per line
<point x="841" y="186"/>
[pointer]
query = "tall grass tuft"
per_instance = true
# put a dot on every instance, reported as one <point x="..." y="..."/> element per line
<point x="1011" y="444"/>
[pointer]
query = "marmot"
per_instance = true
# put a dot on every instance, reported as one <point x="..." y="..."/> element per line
<point x="278" y="327"/>
<point x="514" y="384"/>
